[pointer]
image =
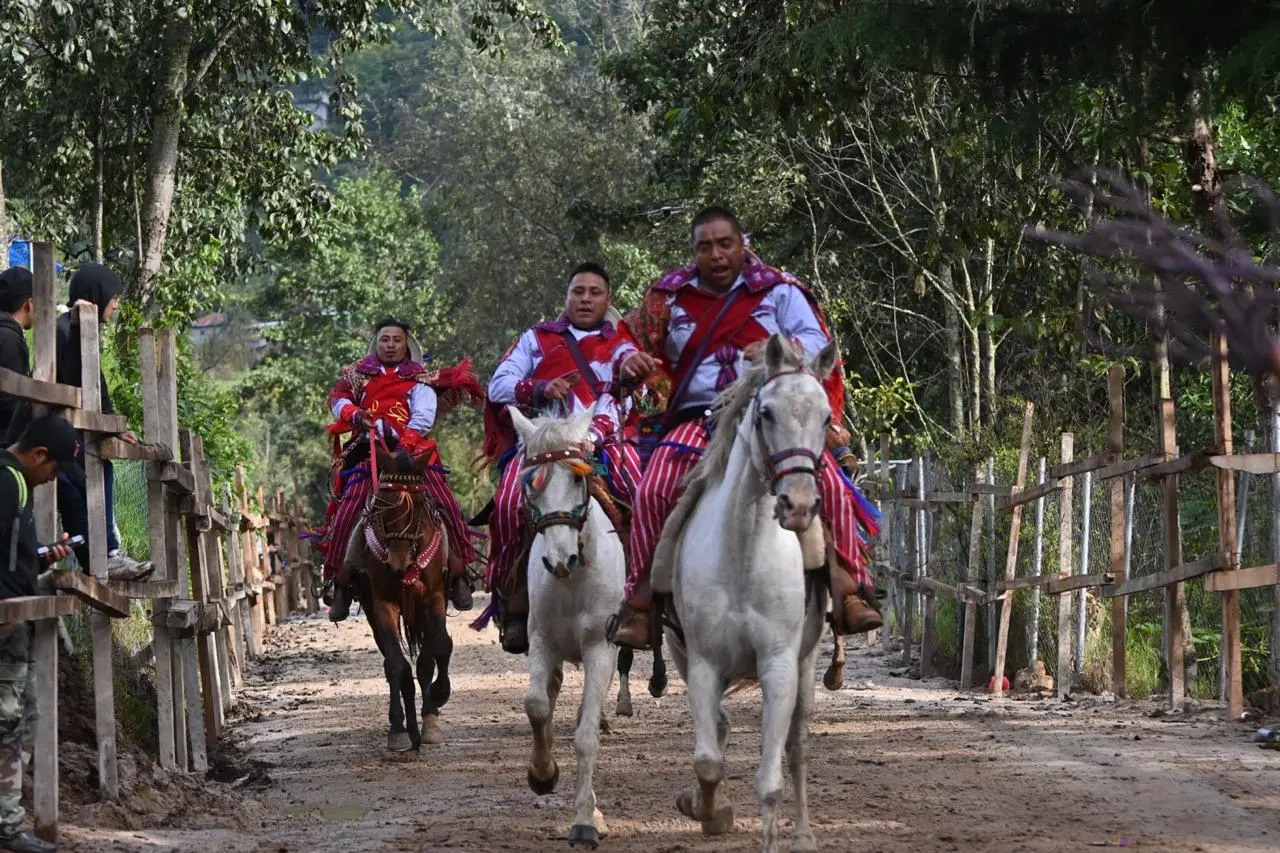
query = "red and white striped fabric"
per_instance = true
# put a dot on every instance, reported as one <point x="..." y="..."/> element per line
<point x="660" y="489"/>
<point x="356" y="492"/>
<point x="508" y="504"/>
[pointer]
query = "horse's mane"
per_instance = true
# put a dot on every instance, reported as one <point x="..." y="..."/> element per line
<point x="727" y="412"/>
<point x="549" y="433"/>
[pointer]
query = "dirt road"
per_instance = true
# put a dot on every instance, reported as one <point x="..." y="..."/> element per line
<point x="897" y="766"/>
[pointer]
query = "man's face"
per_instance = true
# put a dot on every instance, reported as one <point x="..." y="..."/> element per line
<point x="393" y="345"/>
<point x="110" y="310"/>
<point x="717" y="249"/>
<point x="40" y="467"/>
<point x="27" y="313"/>
<point x="587" y="301"/>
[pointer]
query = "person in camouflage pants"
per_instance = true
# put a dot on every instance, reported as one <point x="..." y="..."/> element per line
<point x="17" y="723"/>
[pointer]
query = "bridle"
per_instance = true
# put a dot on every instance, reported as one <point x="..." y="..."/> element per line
<point x="533" y="479"/>
<point x="406" y="486"/>
<point x="773" y="460"/>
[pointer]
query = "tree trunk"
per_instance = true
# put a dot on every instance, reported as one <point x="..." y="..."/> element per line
<point x="99" y="189"/>
<point x="974" y="349"/>
<point x="955" y="364"/>
<point x="162" y="162"/>
<point x="988" y="337"/>
<point x="4" y="225"/>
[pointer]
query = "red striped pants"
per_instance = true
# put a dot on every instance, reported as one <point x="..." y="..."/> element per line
<point x="354" y="494"/>
<point x="508" y="505"/>
<point x="660" y="489"/>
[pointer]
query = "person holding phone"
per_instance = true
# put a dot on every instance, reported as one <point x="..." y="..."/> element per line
<point x="46" y="448"/>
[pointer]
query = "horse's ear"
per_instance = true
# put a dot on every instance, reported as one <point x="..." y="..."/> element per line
<point x="524" y="426"/>
<point x="825" y="361"/>
<point x="582" y="422"/>
<point x="775" y="353"/>
<point x="386" y="462"/>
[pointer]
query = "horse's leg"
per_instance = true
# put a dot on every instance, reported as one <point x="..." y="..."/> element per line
<point x="779" y="680"/>
<point x="706" y="804"/>
<point x="802" y="840"/>
<point x="625" y="658"/>
<point x="397" y="670"/>
<point x="441" y="689"/>
<point x="834" y="678"/>
<point x="597" y="666"/>
<point x="539" y="704"/>
<point x="426" y="671"/>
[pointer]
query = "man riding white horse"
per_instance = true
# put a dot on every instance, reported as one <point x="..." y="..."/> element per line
<point x="391" y="392"/>
<point x="558" y="367"/>
<point x="695" y="327"/>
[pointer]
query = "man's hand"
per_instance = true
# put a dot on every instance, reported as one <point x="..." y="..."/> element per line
<point x="60" y="551"/>
<point x="837" y="436"/>
<point x="754" y="351"/>
<point x="637" y="366"/>
<point x="129" y="437"/>
<point x="361" y="418"/>
<point x="558" y="389"/>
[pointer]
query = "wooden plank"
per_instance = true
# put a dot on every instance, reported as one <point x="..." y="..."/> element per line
<point x="26" y="608"/>
<point x="1028" y="495"/>
<point x="1071" y="583"/>
<point x="145" y="590"/>
<point x="182" y="614"/>
<point x="1190" y="463"/>
<point x="195" y="714"/>
<point x="1175" y="598"/>
<point x="1070" y="469"/>
<point x="14" y="384"/>
<point x="95" y="421"/>
<point x="947" y="497"/>
<point x="1129" y="466"/>
<point x="158" y="368"/>
<point x="1250" y="578"/>
<point x="44" y="757"/>
<point x="95" y="497"/>
<point x="1167" y="577"/>
<point x="971" y="607"/>
<point x="118" y="448"/>
<point x="1011" y="558"/>
<point x="1028" y="582"/>
<point x="210" y="687"/>
<point x="1252" y="463"/>
<point x="1063" y="675"/>
<point x="173" y="475"/>
<point x="990" y="489"/>
<point x="1231" y="650"/>
<point x="93" y="592"/>
<point x="1119" y="610"/>
<point x="913" y="560"/>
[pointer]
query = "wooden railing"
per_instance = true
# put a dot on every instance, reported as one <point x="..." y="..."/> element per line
<point x="224" y="571"/>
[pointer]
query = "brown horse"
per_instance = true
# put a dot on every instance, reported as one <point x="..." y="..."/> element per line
<point x="401" y="546"/>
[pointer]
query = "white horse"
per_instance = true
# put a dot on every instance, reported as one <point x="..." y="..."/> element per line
<point x="570" y="602"/>
<point x="748" y="608"/>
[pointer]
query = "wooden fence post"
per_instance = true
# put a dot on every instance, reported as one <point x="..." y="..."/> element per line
<point x="1064" y="675"/>
<point x="45" y="498"/>
<point x="928" y="626"/>
<point x="974" y="575"/>
<point x="1115" y="446"/>
<point x="95" y="497"/>
<point x="1227" y="528"/>
<point x="913" y="561"/>
<point x="206" y="648"/>
<point x="886" y="530"/>
<point x="1011" y="561"/>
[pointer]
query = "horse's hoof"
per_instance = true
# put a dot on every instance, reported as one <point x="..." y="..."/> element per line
<point x="804" y="843"/>
<point x="440" y="691"/>
<point x="542" y="787"/>
<point x="399" y="742"/>
<point x="624" y="708"/>
<point x="434" y="737"/>
<point x="834" y="679"/>
<point x="584" y="835"/>
<point x="720" y="823"/>
<point x="657" y="686"/>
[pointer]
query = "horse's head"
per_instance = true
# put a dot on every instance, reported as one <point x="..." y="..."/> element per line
<point x="557" y="463"/>
<point x="788" y="420"/>
<point x="399" y="513"/>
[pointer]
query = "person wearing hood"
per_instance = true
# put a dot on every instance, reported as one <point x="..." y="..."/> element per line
<point x="16" y="316"/>
<point x="93" y="284"/>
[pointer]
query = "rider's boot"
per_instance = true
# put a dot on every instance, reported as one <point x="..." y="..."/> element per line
<point x="632" y="626"/>
<point x="855" y="608"/>
<point x="514" y="631"/>
<point x="459" y="587"/>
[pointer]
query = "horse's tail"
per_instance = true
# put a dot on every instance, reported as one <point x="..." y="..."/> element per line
<point x="742" y="685"/>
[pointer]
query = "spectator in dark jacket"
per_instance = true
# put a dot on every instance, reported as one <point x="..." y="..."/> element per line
<point x="97" y="285"/>
<point x="16" y="316"/>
